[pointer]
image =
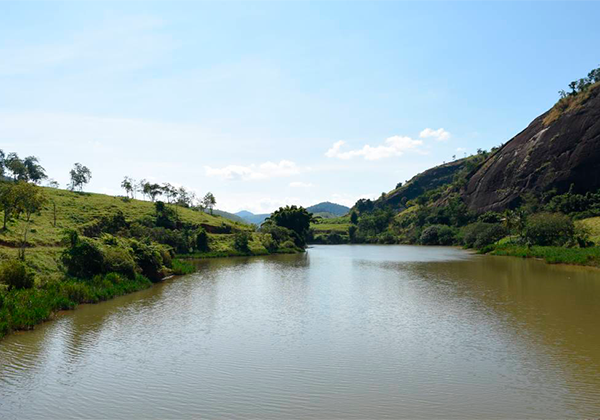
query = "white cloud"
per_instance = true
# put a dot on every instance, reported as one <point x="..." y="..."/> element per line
<point x="255" y="172"/>
<point x="298" y="184"/>
<point x="393" y="146"/>
<point x="440" y="134"/>
<point x="461" y="149"/>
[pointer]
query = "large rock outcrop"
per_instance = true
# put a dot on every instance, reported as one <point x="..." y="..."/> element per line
<point x="558" y="149"/>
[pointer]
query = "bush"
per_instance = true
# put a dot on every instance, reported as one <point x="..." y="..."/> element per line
<point x="288" y="245"/>
<point x="149" y="260"/>
<point x="547" y="229"/>
<point x="15" y="275"/>
<point x="481" y="234"/>
<point x="240" y="241"/>
<point x="438" y="235"/>
<point x="183" y="267"/>
<point x="268" y="242"/>
<point x="386" y="238"/>
<point x="202" y="240"/>
<point x="119" y="260"/>
<point x="490" y="217"/>
<point x="83" y="258"/>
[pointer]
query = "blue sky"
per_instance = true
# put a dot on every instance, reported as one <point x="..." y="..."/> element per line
<point x="275" y="103"/>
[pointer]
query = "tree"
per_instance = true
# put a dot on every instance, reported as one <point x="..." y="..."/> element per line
<point x="34" y="171"/>
<point x="297" y="219"/>
<point x="153" y="191"/>
<point x="170" y="192"/>
<point x="80" y="175"/>
<point x="16" y="167"/>
<point x="52" y="183"/>
<point x="241" y="240"/>
<point x="141" y="187"/>
<point x="127" y="184"/>
<point x="209" y="202"/>
<point x="30" y="199"/>
<point x="8" y="201"/>
<point x="354" y="218"/>
<point x="183" y="197"/>
<point x="2" y="168"/>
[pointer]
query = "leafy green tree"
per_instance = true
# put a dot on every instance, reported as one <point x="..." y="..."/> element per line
<point x="209" y="202"/>
<point x="241" y="240"/>
<point x="354" y="218"/>
<point x="549" y="229"/>
<point x="8" y="201"/>
<point x="297" y="219"/>
<point x="127" y="184"/>
<point x="80" y="175"/>
<point x="30" y="199"/>
<point x="34" y="171"/>
<point x="170" y="192"/>
<point x="153" y="191"/>
<point x="15" y="275"/>
<point x="2" y="163"/>
<point x="16" y="167"/>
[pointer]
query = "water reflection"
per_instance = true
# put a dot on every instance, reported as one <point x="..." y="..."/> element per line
<point x="338" y="332"/>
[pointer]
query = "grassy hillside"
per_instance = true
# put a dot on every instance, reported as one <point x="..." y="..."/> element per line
<point x="76" y="211"/>
<point x="333" y="230"/>
<point x="328" y="210"/>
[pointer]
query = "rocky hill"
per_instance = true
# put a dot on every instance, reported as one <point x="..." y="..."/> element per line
<point x="421" y="183"/>
<point x="558" y="149"/>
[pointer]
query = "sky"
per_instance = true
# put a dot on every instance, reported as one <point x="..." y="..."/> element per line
<point x="273" y="103"/>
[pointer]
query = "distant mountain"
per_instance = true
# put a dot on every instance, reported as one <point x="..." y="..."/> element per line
<point x="250" y="217"/>
<point x="230" y="216"/>
<point x="328" y="210"/>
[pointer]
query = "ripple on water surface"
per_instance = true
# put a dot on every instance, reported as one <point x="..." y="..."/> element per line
<point x="338" y="332"/>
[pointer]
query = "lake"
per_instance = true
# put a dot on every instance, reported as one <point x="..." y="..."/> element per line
<point x="343" y="331"/>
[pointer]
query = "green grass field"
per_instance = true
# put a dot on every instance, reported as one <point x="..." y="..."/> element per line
<point x="74" y="210"/>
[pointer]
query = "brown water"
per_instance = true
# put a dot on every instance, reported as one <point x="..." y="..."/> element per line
<point x="339" y="332"/>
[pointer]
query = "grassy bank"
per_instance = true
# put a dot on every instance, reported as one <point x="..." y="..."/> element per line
<point x="23" y="309"/>
<point x="550" y="254"/>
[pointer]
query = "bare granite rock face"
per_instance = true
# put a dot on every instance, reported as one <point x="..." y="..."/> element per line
<point x="552" y="152"/>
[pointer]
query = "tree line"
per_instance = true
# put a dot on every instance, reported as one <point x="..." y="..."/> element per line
<point x="581" y="85"/>
<point x="174" y="195"/>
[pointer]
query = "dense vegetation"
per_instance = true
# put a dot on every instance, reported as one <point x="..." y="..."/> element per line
<point x="430" y="209"/>
<point x="60" y="248"/>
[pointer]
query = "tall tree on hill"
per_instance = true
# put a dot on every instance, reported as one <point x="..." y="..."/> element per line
<point x="2" y="156"/>
<point x="34" y="171"/>
<point x="16" y="167"/>
<point x="209" y="202"/>
<point x="169" y="191"/>
<point x="127" y="184"/>
<point x="30" y="200"/>
<point x="8" y="201"/>
<point x="80" y="175"/>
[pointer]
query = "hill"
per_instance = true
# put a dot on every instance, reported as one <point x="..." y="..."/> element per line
<point x="252" y="218"/>
<point x="230" y="216"/>
<point x="558" y="149"/>
<point x="328" y="210"/>
<point x="325" y="210"/>
<point x="80" y="211"/>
